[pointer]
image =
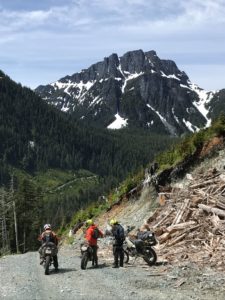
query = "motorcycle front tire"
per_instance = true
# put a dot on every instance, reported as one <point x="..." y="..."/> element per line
<point x="47" y="264"/>
<point x="126" y="257"/>
<point x="150" y="257"/>
<point x="84" y="261"/>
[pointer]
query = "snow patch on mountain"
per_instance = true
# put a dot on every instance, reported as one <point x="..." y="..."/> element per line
<point x="175" y="117"/>
<point x="185" y="87"/>
<point x="171" y="76"/>
<point x="169" y="127"/>
<point x="204" y="98"/>
<point x="96" y="100"/>
<point x="130" y="77"/>
<point x="190" y="126"/>
<point x="118" y="123"/>
<point x="81" y="86"/>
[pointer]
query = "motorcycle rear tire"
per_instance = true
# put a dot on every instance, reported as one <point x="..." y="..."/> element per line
<point x="84" y="261"/>
<point x="150" y="257"/>
<point x="47" y="264"/>
<point x="126" y="257"/>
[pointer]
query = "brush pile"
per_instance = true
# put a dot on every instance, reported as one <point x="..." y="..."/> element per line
<point x="190" y="222"/>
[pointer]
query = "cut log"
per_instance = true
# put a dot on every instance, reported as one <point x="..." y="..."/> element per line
<point x="164" y="237"/>
<point x="179" y="238"/>
<point x="181" y="211"/>
<point x="164" y="218"/>
<point x="203" y="184"/>
<point x="216" y="211"/>
<point x="220" y="204"/>
<point x="180" y="226"/>
<point x="220" y="189"/>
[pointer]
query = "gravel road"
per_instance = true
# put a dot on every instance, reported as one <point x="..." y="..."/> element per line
<point x="22" y="278"/>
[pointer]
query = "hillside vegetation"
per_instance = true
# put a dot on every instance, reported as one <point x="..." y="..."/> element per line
<point x="172" y="164"/>
<point x="42" y="148"/>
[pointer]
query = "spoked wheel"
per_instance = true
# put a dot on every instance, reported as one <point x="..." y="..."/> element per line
<point x="84" y="261"/>
<point x="126" y="256"/>
<point x="150" y="256"/>
<point x="47" y="264"/>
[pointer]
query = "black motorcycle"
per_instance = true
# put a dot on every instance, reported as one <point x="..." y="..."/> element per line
<point x="141" y="247"/>
<point x="86" y="255"/>
<point x="49" y="254"/>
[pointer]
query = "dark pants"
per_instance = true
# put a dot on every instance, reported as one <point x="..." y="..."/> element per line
<point x="118" y="255"/>
<point x="94" y="255"/>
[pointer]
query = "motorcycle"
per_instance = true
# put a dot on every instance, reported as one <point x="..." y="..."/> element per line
<point x="49" y="254"/>
<point x="86" y="255"/>
<point x="141" y="247"/>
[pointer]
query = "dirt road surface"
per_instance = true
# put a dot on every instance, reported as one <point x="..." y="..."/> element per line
<point x="22" y="278"/>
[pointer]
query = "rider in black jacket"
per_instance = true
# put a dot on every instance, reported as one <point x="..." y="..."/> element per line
<point x="119" y="235"/>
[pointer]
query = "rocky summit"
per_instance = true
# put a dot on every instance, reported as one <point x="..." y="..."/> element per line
<point x="136" y="90"/>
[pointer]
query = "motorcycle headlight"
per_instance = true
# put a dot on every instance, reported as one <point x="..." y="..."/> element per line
<point x="84" y="248"/>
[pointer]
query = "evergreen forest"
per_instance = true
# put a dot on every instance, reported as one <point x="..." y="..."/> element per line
<point x="42" y="148"/>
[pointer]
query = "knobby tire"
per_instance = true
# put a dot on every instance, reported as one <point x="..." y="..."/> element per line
<point x="150" y="257"/>
<point x="84" y="261"/>
<point x="47" y="264"/>
<point x="126" y="257"/>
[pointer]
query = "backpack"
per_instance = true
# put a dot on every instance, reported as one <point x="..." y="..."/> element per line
<point x="96" y="233"/>
<point x="147" y="236"/>
<point x="48" y="237"/>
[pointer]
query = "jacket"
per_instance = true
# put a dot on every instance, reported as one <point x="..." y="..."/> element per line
<point x="89" y="235"/>
<point x="53" y="237"/>
<point x="119" y="235"/>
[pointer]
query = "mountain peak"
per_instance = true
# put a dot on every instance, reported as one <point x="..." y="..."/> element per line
<point x="149" y="92"/>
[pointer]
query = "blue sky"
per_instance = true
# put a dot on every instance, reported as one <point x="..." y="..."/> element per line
<point x="44" y="40"/>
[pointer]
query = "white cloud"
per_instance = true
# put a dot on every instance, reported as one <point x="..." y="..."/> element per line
<point x="11" y="21"/>
<point x="205" y="11"/>
<point x="167" y="14"/>
<point x="83" y="31"/>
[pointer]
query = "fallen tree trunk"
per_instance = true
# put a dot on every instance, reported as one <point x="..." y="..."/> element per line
<point x="216" y="211"/>
<point x="164" y="218"/>
<point x="181" y="211"/>
<point x="180" y="226"/>
<point x="203" y="184"/>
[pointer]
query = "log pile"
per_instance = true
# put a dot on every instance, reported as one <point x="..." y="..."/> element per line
<point x="190" y="222"/>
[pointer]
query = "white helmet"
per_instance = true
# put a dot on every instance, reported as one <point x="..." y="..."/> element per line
<point x="47" y="226"/>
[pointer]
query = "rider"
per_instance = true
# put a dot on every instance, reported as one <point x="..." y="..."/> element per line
<point x="92" y="234"/>
<point x="48" y="236"/>
<point x="119" y="235"/>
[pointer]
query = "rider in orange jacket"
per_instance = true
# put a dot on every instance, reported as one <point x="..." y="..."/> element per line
<point x="92" y="234"/>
